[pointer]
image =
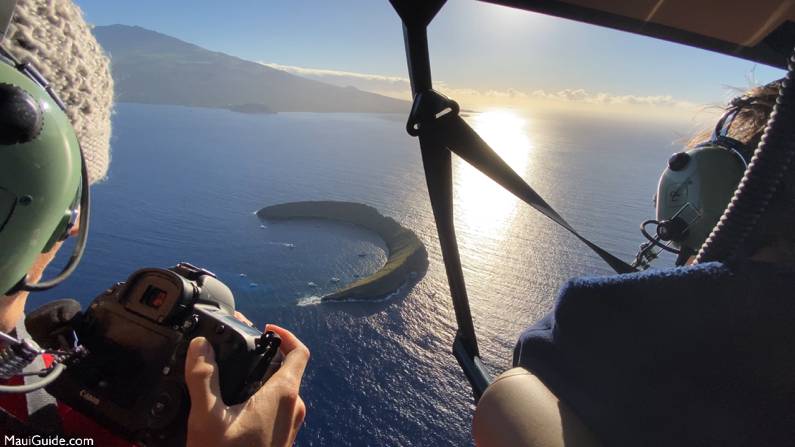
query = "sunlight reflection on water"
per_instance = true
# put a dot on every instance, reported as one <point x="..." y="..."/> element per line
<point x="483" y="208"/>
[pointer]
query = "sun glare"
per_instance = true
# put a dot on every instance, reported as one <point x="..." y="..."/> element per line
<point x="482" y="206"/>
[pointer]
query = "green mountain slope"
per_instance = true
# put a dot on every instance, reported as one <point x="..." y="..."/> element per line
<point x="153" y="68"/>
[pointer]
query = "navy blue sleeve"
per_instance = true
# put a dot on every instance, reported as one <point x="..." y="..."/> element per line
<point x="701" y="355"/>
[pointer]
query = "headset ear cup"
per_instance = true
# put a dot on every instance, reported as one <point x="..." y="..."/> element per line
<point x="696" y="187"/>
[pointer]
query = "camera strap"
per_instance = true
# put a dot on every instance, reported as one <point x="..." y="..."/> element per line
<point x="42" y="407"/>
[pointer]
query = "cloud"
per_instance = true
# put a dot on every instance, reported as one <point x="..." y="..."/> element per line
<point x="324" y="72"/>
<point x="400" y="87"/>
<point x="394" y="86"/>
<point x="583" y="96"/>
<point x="508" y="93"/>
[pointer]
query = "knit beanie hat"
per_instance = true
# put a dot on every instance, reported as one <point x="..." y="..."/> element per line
<point x="54" y="37"/>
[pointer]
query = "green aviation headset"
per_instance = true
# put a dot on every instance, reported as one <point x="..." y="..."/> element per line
<point x="694" y="190"/>
<point x="43" y="176"/>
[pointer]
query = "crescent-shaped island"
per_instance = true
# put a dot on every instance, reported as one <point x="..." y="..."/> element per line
<point x="407" y="258"/>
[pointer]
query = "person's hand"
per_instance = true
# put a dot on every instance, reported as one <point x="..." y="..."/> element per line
<point x="271" y="417"/>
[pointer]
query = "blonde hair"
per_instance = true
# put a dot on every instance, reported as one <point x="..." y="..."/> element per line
<point x="754" y="108"/>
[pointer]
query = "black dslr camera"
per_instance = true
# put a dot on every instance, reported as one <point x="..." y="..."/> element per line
<point x="134" y="337"/>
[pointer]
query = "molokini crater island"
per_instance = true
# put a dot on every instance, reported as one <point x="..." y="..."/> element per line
<point x="407" y="257"/>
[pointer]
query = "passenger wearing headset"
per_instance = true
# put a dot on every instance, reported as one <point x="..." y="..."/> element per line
<point x="697" y="355"/>
<point x="699" y="181"/>
<point x="54" y="38"/>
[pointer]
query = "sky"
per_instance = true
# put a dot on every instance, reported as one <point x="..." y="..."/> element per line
<point x="480" y="53"/>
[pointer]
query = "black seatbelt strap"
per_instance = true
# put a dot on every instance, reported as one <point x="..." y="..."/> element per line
<point x="42" y="407"/>
<point x="446" y="127"/>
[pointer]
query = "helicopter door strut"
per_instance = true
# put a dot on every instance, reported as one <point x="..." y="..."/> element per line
<point x="435" y="121"/>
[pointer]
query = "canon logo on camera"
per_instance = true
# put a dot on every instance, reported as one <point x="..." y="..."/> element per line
<point x="89" y="397"/>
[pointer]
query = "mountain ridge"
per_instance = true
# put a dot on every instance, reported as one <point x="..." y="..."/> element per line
<point x="150" y="67"/>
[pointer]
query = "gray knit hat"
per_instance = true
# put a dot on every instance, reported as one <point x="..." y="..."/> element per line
<point x="53" y="35"/>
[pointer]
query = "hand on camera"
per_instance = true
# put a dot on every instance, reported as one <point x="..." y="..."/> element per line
<point x="271" y="417"/>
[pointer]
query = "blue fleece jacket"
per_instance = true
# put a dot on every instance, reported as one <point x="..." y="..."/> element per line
<point x="701" y="355"/>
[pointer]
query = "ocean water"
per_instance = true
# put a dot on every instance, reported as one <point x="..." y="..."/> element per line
<point x="184" y="183"/>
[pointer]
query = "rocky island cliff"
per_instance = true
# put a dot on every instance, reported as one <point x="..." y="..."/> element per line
<point x="406" y="258"/>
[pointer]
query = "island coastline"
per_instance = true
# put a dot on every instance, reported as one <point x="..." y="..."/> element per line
<point x="407" y="258"/>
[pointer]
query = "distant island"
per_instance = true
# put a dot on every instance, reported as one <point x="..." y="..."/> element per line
<point x="407" y="257"/>
<point x="153" y="68"/>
